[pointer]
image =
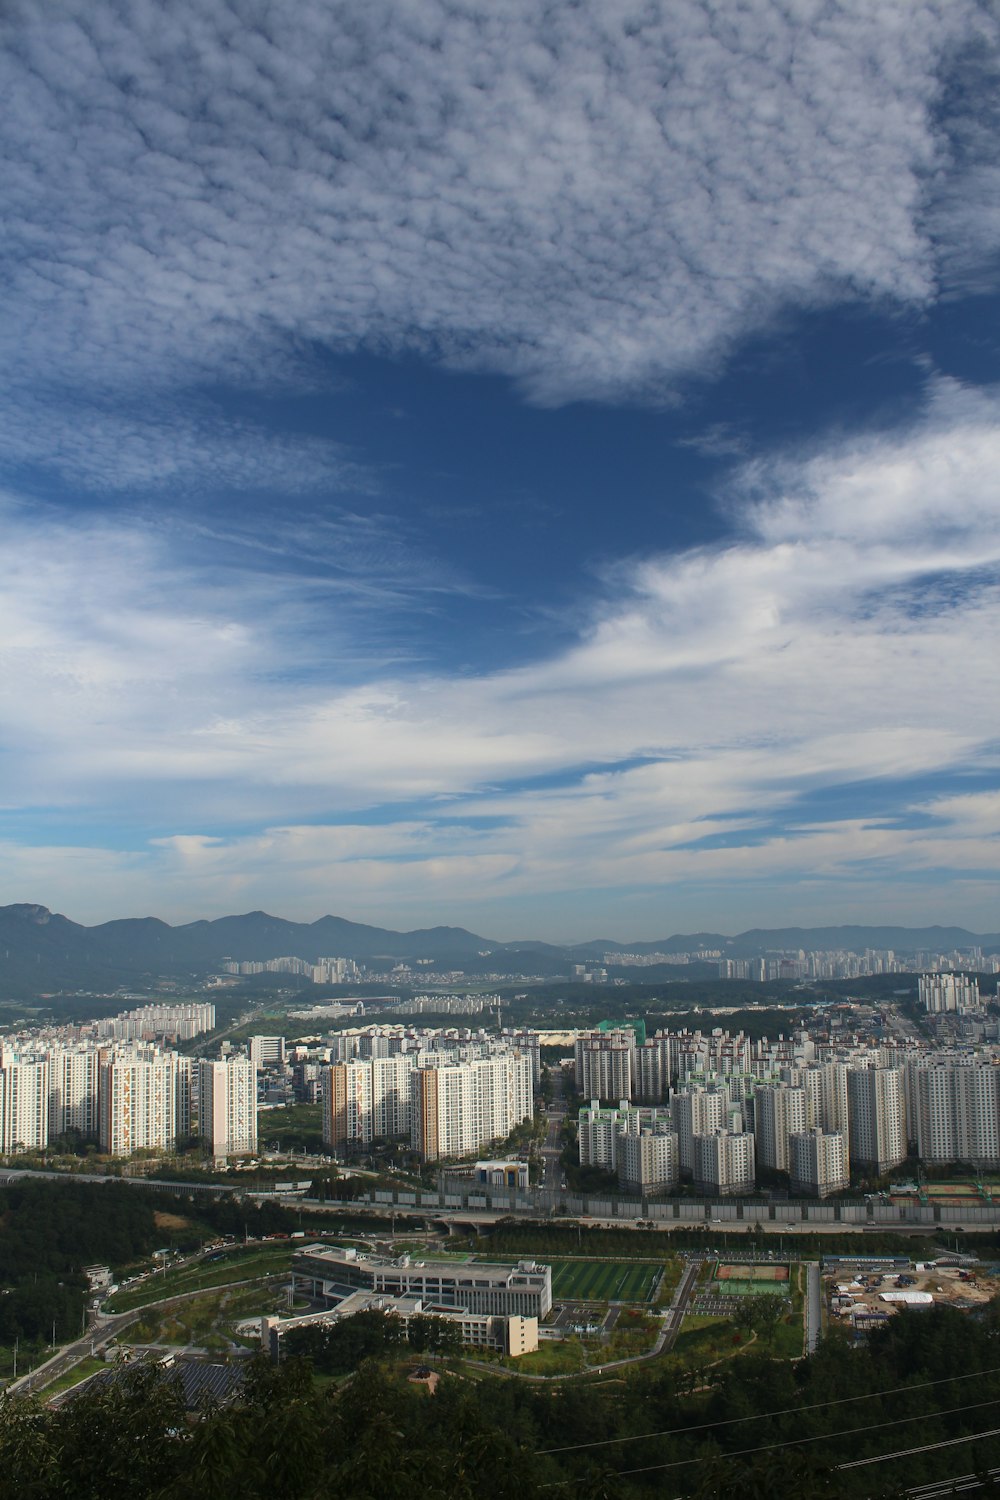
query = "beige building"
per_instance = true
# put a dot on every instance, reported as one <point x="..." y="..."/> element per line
<point x="227" y="1106"/>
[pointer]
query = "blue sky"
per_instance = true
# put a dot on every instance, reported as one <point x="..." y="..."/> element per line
<point x="532" y="467"/>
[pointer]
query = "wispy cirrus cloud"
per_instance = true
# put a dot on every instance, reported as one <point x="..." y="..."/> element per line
<point x="845" y="634"/>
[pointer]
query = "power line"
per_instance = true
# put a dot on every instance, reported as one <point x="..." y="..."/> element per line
<point x="859" y="1463"/>
<point x="643" y="1437"/>
<point x="820" y="1437"/>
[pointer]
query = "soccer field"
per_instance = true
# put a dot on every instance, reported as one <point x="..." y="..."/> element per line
<point x="603" y="1280"/>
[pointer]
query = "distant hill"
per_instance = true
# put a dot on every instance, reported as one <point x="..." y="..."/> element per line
<point x="42" y="951"/>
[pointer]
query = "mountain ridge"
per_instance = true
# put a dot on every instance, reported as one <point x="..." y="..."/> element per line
<point x="42" y="949"/>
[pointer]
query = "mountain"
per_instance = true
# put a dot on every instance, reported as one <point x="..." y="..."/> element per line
<point x="42" y="951"/>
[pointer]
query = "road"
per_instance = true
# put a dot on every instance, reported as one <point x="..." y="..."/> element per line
<point x="551" y="1151"/>
<point x="675" y="1312"/>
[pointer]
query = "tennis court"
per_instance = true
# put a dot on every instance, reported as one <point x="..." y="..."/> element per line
<point x="751" y="1273"/>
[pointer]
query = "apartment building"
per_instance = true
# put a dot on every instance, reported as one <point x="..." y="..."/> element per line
<point x="648" y="1158"/>
<point x="604" y="1064"/>
<point x="876" y="1105"/>
<point x="724" y="1163"/>
<point x="24" y="1104"/>
<point x="73" y="1090"/>
<point x="144" y="1100"/>
<point x="366" y="1099"/>
<point x="956" y="1104"/>
<point x="457" y="1108"/>
<point x="818" y="1163"/>
<point x="227" y="1106"/>
<point x="697" y="1112"/>
<point x="779" y="1112"/>
<point x="267" y="1052"/>
<point x="599" y="1128"/>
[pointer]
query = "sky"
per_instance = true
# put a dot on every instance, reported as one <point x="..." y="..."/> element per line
<point x="530" y="466"/>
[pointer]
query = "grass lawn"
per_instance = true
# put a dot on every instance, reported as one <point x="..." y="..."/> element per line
<point x="603" y="1280"/>
<point x="668" y="1283"/>
<point x="703" y="1337"/>
<point x="208" y="1320"/>
<point x="554" y="1357"/>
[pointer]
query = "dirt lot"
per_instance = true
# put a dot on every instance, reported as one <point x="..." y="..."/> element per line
<point x="169" y="1221"/>
<point x="943" y="1283"/>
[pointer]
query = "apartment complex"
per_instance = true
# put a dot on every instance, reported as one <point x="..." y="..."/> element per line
<point x="182" y="1021"/>
<point x="24" y="1103"/>
<point x="940" y="993"/>
<point x="457" y="1108"/>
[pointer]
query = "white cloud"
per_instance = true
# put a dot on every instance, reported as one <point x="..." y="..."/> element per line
<point x="592" y="199"/>
<point x="847" y="636"/>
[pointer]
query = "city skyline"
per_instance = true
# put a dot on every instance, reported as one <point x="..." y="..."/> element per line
<point x="534" y="471"/>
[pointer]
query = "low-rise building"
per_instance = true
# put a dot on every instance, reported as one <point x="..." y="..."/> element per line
<point x="327" y="1274"/>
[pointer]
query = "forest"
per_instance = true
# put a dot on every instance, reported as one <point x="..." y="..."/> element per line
<point x="758" y="1427"/>
<point x="50" y="1231"/>
<point x="338" y="1348"/>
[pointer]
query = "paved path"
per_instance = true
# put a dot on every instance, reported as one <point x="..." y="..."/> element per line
<point x="678" y="1307"/>
<point x="813" y="1308"/>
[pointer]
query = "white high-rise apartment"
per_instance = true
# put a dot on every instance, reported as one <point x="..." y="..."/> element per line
<point x="818" y="1163"/>
<point x="779" y="1112"/>
<point x="697" y="1112"/>
<point x="459" y="1108"/>
<point x="875" y="1100"/>
<point x="366" y="1099"/>
<point x="267" y="1052"/>
<point x="648" y="1161"/>
<point x="140" y="1091"/>
<point x="227" y="1106"/>
<point x="605" y="1065"/>
<point x="940" y="993"/>
<point x="957" y="1107"/>
<point x="724" y="1163"/>
<point x="24" y="1104"/>
<point x="73" y="1085"/>
<point x="652" y="1071"/>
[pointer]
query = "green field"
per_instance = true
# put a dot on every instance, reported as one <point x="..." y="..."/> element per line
<point x="603" y="1280"/>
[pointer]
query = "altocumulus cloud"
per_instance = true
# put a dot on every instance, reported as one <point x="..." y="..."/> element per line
<point x="592" y="199"/>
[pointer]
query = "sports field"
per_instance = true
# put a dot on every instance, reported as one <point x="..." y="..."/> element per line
<point x="751" y="1273"/>
<point x="603" y="1280"/>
